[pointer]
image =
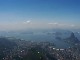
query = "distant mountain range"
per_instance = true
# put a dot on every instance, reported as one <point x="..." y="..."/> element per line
<point x="55" y="32"/>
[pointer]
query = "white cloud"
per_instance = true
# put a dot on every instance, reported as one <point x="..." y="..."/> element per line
<point x="72" y="25"/>
<point x="27" y="21"/>
<point x="53" y="23"/>
<point x="62" y="25"/>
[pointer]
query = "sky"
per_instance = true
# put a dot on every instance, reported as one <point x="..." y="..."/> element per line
<point x="39" y="14"/>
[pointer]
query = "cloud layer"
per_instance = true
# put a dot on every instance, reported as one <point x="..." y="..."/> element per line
<point x="34" y="25"/>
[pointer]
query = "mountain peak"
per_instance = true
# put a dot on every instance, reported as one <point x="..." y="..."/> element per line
<point x="72" y="35"/>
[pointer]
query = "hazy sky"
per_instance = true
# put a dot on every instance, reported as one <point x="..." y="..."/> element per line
<point x="24" y="14"/>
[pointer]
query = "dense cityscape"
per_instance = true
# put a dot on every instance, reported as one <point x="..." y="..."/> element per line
<point x="17" y="49"/>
